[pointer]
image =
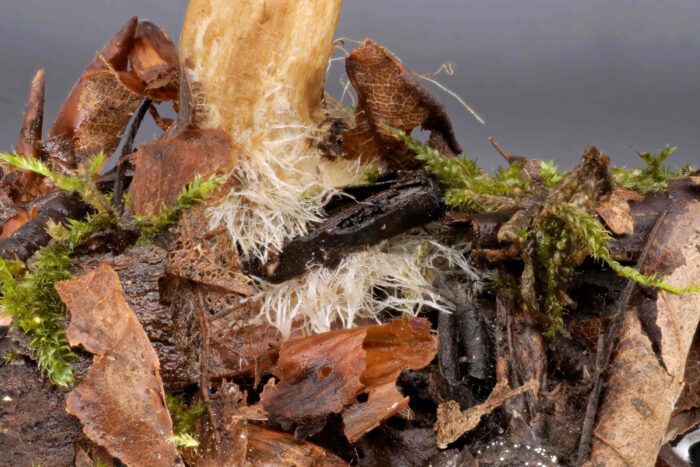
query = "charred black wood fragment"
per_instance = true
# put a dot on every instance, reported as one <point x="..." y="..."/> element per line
<point x="410" y="201"/>
<point x="31" y="236"/>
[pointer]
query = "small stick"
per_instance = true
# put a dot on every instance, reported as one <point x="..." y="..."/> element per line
<point x="510" y="158"/>
<point x="605" y="348"/>
<point x="127" y="149"/>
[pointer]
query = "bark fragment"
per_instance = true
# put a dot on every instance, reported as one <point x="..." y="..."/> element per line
<point x="453" y="423"/>
<point x="34" y="426"/>
<point x="132" y="424"/>
<point x="411" y="201"/>
<point x="389" y="94"/>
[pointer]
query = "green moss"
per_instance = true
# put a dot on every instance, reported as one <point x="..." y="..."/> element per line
<point x="560" y="236"/>
<point x="29" y="296"/>
<point x="83" y="183"/>
<point x="184" y="419"/>
<point x="466" y="185"/>
<point x="654" y="177"/>
<point x="372" y="175"/>
<point x="193" y="193"/>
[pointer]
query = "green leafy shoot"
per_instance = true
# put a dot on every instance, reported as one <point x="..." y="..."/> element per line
<point x="196" y="191"/>
<point x="184" y="419"/>
<point x="466" y="185"/>
<point x="36" y="309"/>
<point x="30" y="298"/>
<point x="654" y="177"/>
<point x="550" y="173"/>
<point x="83" y="183"/>
<point x="183" y="441"/>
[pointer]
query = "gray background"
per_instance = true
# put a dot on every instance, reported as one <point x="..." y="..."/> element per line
<point x="549" y="77"/>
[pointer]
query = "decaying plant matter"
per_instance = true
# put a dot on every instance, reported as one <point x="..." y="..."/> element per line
<point x="287" y="283"/>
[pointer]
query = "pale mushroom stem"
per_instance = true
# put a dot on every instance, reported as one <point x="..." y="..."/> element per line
<point x="258" y="61"/>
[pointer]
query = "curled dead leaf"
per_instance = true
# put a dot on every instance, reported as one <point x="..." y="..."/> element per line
<point x="325" y="373"/>
<point x="614" y="209"/>
<point x="163" y="168"/>
<point x="389" y="94"/>
<point x="155" y="62"/>
<point x="100" y="105"/>
<point x="268" y="448"/>
<point x="121" y="401"/>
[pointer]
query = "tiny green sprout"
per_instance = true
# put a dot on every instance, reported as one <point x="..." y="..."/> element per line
<point x="184" y="419"/>
<point x="183" y="441"/>
<point x="352" y="109"/>
<point x="550" y="173"/>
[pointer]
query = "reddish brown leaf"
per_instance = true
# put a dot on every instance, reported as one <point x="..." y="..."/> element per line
<point x="391" y="348"/>
<point x="614" y="209"/>
<point x="99" y="106"/>
<point x="209" y="259"/>
<point x="120" y="401"/>
<point x="646" y="379"/>
<point x="154" y="60"/>
<point x="324" y="373"/>
<point x="24" y="185"/>
<point x="268" y="448"/>
<point x="32" y="125"/>
<point x="319" y="375"/>
<point x="165" y="166"/>
<point x="389" y="94"/>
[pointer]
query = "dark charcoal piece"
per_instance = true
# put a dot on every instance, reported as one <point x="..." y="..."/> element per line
<point x="471" y="339"/>
<point x="411" y="201"/>
<point x="32" y="235"/>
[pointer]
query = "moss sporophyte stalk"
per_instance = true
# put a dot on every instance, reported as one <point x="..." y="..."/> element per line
<point x="560" y="235"/>
<point x="28" y="293"/>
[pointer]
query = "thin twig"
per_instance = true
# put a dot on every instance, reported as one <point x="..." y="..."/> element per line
<point x="510" y="158"/>
<point x="127" y="149"/>
<point x="606" y="347"/>
<point x="204" y="356"/>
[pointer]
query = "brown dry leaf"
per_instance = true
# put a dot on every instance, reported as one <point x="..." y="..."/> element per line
<point x="389" y="94"/>
<point x="614" y="209"/>
<point x="268" y="448"/>
<point x="164" y="167"/>
<point x="452" y="423"/>
<point x="98" y="107"/>
<point x="203" y="270"/>
<point x="645" y="379"/>
<point x="211" y="259"/>
<point x="120" y="401"/>
<point x="24" y="185"/>
<point x="391" y="348"/>
<point x="324" y="373"/>
<point x="229" y="447"/>
<point x="155" y="61"/>
<point x="686" y="414"/>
